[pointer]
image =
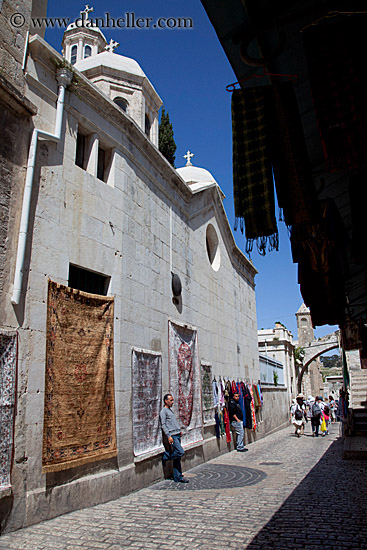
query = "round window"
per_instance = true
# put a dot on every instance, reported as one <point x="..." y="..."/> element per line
<point x="212" y="247"/>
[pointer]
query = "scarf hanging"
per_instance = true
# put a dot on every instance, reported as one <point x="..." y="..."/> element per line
<point x="252" y="173"/>
<point x="294" y="184"/>
<point x="335" y="54"/>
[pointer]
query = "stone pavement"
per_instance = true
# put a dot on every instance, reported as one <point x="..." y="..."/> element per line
<point x="284" y="493"/>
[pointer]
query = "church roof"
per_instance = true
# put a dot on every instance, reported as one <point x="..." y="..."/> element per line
<point x="303" y="309"/>
<point x="90" y="27"/>
<point x="194" y="174"/>
<point x="112" y="61"/>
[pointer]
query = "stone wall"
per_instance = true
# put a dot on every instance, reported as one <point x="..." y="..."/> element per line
<point x="136" y="227"/>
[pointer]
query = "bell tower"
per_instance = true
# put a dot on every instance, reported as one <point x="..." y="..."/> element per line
<point x="304" y="326"/>
<point x="83" y="39"/>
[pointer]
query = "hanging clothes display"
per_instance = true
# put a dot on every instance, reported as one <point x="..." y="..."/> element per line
<point x="335" y="55"/>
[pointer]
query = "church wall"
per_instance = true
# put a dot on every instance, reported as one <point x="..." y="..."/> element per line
<point x="122" y="229"/>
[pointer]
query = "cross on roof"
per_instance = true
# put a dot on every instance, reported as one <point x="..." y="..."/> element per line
<point x="189" y="156"/>
<point x="111" y="46"/>
<point x="86" y="11"/>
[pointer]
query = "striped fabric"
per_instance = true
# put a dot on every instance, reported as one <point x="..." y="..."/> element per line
<point x="252" y="172"/>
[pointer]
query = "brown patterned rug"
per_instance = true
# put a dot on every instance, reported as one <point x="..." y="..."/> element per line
<point x="79" y="414"/>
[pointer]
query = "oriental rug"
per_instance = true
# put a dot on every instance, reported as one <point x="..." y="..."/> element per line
<point x="146" y="400"/>
<point x="8" y="372"/>
<point x="184" y="378"/>
<point x="207" y="392"/>
<point x="79" y="412"/>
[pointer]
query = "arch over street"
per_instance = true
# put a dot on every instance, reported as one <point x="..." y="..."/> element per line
<point x="315" y="349"/>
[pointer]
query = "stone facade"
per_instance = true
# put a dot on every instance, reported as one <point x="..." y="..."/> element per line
<point x="15" y="115"/>
<point x="312" y="383"/>
<point x="135" y="225"/>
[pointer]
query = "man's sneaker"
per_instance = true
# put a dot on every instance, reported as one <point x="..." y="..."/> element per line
<point x="242" y="450"/>
<point x="183" y="480"/>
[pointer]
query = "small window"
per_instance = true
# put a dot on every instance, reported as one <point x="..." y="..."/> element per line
<point x="147" y="125"/>
<point x="101" y="164"/>
<point x="87" y="51"/>
<point x="88" y="281"/>
<point x="212" y="247"/>
<point x="80" y="150"/>
<point x="74" y="53"/>
<point x="122" y="103"/>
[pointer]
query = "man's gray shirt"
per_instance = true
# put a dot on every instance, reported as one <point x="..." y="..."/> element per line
<point x="168" y="422"/>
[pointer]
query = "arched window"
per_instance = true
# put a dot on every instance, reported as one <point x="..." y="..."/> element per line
<point x="147" y="125"/>
<point x="87" y="51"/>
<point x="74" y="53"/>
<point x="122" y="103"/>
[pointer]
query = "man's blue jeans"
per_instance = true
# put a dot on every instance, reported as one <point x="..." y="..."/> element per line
<point x="175" y="455"/>
<point x="238" y="426"/>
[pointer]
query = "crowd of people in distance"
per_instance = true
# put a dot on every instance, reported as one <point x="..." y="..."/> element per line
<point x="321" y="412"/>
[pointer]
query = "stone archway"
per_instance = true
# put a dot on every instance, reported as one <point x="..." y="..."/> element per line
<point x="315" y="349"/>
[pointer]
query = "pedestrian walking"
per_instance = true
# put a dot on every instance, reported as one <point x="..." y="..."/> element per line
<point x="172" y="432"/>
<point x="298" y="415"/>
<point x="236" y="420"/>
<point x="332" y="408"/>
<point x="325" y="416"/>
<point x="316" y="416"/>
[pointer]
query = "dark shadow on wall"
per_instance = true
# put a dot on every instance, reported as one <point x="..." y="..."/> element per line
<point x="327" y="510"/>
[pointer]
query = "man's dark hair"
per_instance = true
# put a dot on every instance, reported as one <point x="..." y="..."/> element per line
<point x="166" y="397"/>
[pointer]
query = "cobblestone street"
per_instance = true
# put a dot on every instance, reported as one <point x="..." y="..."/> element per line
<point x="284" y="493"/>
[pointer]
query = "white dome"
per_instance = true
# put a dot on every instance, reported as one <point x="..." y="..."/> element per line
<point x="112" y="61"/>
<point x="193" y="174"/>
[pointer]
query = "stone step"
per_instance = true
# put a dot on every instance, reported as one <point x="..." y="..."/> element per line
<point x="355" y="447"/>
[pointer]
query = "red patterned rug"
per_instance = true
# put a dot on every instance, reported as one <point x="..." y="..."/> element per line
<point x="79" y="414"/>
<point x="184" y="376"/>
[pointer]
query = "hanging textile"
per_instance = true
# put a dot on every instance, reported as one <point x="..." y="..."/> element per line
<point x="217" y="425"/>
<point x="207" y="392"/>
<point x="350" y="335"/>
<point x="221" y="422"/>
<point x="184" y="375"/>
<point x="260" y="394"/>
<point x="248" y="400"/>
<point x="146" y="400"/>
<point x="215" y="394"/>
<point x="242" y="402"/>
<point x="358" y="201"/>
<point x="221" y="392"/>
<point x="294" y="184"/>
<point x="8" y="373"/>
<point x="256" y="397"/>
<point x="335" y="54"/>
<point x="322" y="265"/>
<point x="79" y="409"/>
<point x="253" y="189"/>
<point x="228" y="391"/>
<point x="252" y="408"/>
<point x="227" y="424"/>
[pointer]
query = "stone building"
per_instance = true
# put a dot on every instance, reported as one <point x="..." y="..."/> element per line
<point x="277" y="373"/>
<point x="312" y="382"/>
<point x="108" y="225"/>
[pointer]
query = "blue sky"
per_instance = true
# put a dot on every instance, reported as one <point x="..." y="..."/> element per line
<point x="190" y="71"/>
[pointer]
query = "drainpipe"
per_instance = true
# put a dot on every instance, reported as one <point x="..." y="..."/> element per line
<point x="64" y="77"/>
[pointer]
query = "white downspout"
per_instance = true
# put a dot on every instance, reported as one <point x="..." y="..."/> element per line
<point x="64" y="77"/>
